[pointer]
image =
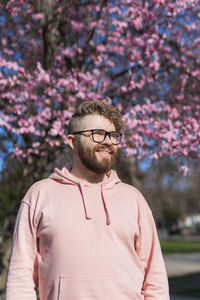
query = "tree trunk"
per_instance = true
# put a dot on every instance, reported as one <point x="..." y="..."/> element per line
<point x="49" y="24"/>
<point x="128" y="171"/>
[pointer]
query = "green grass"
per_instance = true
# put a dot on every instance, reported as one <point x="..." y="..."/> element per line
<point x="171" y="247"/>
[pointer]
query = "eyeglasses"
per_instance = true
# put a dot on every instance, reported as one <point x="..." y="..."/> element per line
<point x="99" y="135"/>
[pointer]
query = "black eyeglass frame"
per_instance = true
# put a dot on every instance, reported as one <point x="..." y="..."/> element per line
<point x="107" y="133"/>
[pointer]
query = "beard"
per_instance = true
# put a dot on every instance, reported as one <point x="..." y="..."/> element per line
<point x="89" y="160"/>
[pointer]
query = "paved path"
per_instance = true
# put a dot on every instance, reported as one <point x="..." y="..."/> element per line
<point x="182" y="264"/>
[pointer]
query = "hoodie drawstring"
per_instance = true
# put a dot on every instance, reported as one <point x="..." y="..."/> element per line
<point x="103" y="201"/>
<point x="84" y="205"/>
<point x="65" y="177"/>
<point x="105" y="208"/>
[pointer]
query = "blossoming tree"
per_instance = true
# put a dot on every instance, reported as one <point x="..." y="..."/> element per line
<point x="142" y="55"/>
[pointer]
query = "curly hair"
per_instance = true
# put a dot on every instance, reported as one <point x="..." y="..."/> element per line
<point x="101" y="108"/>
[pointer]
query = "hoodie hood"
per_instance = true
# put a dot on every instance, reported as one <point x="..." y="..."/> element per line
<point x="65" y="177"/>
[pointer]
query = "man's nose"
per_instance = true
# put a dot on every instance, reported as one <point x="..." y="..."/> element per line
<point x="107" y="140"/>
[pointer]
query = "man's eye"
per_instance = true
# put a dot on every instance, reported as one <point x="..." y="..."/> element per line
<point x="99" y="132"/>
<point x="114" y="134"/>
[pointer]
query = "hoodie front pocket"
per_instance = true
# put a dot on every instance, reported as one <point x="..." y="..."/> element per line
<point x="98" y="289"/>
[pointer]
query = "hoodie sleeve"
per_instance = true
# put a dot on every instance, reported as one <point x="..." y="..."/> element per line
<point x="22" y="274"/>
<point x="155" y="286"/>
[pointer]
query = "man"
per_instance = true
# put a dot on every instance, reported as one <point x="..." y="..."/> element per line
<point x="82" y="233"/>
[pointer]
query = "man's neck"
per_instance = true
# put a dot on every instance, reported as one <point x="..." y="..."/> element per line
<point x="88" y="177"/>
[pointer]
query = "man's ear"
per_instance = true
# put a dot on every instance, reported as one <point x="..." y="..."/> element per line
<point x="71" y="141"/>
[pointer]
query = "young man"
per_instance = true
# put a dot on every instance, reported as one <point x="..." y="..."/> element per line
<point x="82" y="233"/>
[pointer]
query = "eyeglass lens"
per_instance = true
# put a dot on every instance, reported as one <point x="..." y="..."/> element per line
<point x="99" y="136"/>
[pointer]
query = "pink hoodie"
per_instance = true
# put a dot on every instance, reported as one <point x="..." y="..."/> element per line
<point x="78" y="242"/>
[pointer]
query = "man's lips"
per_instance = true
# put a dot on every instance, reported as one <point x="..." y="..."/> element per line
<point x="107" y="151"/>
<point x="104" y="152"/>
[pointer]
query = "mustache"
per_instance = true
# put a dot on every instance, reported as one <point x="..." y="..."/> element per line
<point x="103" y="147"/>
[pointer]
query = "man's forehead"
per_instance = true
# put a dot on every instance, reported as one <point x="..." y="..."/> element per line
<point x="95" y="121"/>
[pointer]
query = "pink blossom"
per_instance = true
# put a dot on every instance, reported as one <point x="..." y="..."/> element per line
<point x="76" y="25"/>
<point x="38" y="16"/>
<point x="56" y="128"/>
<point x="174" y="113"/>
<point x="46" y="113"/>
<point x="184" y="169"/>
<point x="80" y="95"/>
<point x="101" y="48"/>
<point x="154" y="156"/>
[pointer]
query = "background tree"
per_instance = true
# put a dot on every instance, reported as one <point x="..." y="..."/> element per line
<point x="171" y="195"/>
<point x="139" y="54"/>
